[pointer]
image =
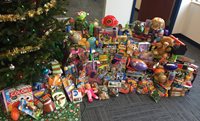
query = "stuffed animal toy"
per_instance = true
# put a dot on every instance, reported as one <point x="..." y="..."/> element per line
<point x="103" y="92"/>
<point x="164" y="47"/>
<point x="159" y="75"/>
<point x="83" y="42"/>
<point x="90" y="93"/>
<point x="55" y="81"/>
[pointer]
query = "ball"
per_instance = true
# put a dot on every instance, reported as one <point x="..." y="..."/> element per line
<point x="15" y="114"/>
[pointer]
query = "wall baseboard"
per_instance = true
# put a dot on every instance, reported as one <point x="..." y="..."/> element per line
<point x="179" y="35"/>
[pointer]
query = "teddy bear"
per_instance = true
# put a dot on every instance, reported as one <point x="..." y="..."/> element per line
<point x="163" y="48"/>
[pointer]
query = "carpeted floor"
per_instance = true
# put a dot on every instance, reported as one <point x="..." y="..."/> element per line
<point x="95" y="8"/>
<point x="133" y="107"/>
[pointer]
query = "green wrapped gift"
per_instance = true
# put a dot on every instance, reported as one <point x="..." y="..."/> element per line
<point x="70" y="113"/>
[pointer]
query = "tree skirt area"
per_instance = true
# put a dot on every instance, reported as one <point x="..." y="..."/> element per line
<point x="70" y="113"/>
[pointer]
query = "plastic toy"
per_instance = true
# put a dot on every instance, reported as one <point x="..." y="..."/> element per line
<point x="75" y="36"/>
<point x="92" y="41"/>
<point x="90" y="93"/>
<point x="157" y="23"/>
<point x="138" y="64"/>
<point x="109" y="21"/>
<point x="15" y="114"/>
<point x="138" y="27"/>
<point x="159" y="75"/>
<point x="171" y="66"/>
<point x="80" y="23"/>
<point x="147" y="26"/>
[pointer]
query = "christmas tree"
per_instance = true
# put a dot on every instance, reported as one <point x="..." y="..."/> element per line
<point x="30" y="37"/>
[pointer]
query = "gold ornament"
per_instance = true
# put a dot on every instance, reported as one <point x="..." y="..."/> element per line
<point x="30" y="13"/>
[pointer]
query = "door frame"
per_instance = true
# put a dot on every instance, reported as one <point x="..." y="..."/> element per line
<point x="173" y="17"/>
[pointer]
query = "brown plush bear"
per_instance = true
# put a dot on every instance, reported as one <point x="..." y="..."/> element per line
<point x="163" y="47"/>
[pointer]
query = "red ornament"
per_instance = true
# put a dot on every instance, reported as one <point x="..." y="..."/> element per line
<point x="15" y="114"/>
<point x="71" y="20"/>
<point x="109" y="21"/>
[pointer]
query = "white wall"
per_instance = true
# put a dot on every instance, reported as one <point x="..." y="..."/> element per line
<point x="121" y="9"/>
<point x="138" y="4"/>
<point x="182" y="14"/>
<point x="188" y="20"/>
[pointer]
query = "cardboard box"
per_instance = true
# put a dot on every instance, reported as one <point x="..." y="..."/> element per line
<point x="12" y="96"/>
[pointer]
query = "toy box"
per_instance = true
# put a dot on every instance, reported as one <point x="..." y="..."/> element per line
<point x="13" y="96"/>
<point x="108" y="36"/>
<point x="68" y="86"/>
<point x="77" y="96"/>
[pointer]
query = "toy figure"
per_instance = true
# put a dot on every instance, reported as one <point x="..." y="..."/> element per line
<point x="80" y="23"/>
<point x="90" y="93"/>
